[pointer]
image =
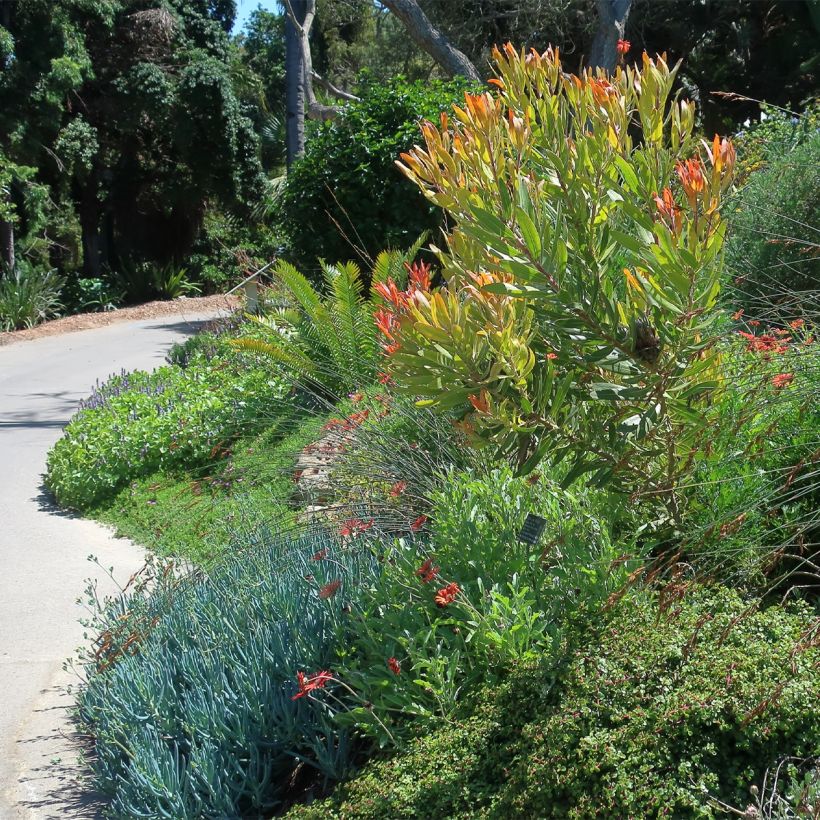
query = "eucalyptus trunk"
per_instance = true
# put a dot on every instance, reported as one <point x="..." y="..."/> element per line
<point x="295" y="82"/>
<point x="612" y="16"/>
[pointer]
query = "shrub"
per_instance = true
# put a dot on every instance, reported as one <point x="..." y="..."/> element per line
<point x="139" y="422"/>
<point x="326" y="342"/>
<point x="192" y="692"/>
<point x="653" y="714"/>
<point x="774" y="239"/>
<point x="28" y="297"/>
<point x="543" y="344"/>
<point x="345" y="198"/>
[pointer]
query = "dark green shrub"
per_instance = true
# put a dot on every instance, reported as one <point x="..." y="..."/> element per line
<point x="345" y="197"/>
<point x="139" y="422"/>
<point x="190" y="694"/>
<point x="774" y="231"/>
<point x="652" y="714"/>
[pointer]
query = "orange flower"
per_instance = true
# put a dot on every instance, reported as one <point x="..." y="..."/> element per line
<point x="308" y="684"/>
<point x="356" y="397"/>
<point x="427" y="572"/>
<point x="329" y="589"/>
<point x="418" y="523"/>
<point x="782" y="380"/>
<point x="623" y="46"/>
<point x="446" y="595"/>
<point x="551" y="357"/>
<point x="669" y="211"/>
<point x="797" y="324"/>
<point x="737" y="314"/>
<point x="394" y="666"/>
<point x="384" y="378"/>
<point x="692" y="179"/>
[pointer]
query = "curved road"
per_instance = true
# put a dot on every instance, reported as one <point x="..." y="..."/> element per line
<point x="43" y="554"/>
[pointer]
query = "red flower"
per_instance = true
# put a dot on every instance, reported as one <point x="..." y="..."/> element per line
<point x="354" y="526"/>
<point x="320" y="556"/>
<point x="390" y="349"/>
<point x="333" y="424"/>
<point x="398" y="488"/>
<point x="419" y="275"/>
<point x="384" y="378"/>
<point x="308" y="684"/>
<point x="329" y="589"/>
<point x="355" y="419"/>
<point x="754" y="323"/>
<point x="551" y="357"/>
<point x="385" y="322"/>
<point x="737" y="314"/>
<point x="355" y="397"/>
<point x="418" y="523"/>
<point x="394" y="666"/>
<point x="427" y="572"/>
<point x="797" y="324"/>
<point x="623" y="46"/>
<point x="390" y="293"/>
<point x="782" y="379"/>
<point x="446" y="595"/>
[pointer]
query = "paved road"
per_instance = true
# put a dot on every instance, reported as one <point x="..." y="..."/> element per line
<point x="43" y="554"/>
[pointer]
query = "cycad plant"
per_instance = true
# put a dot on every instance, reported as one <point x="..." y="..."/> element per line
<point x="326" y="339"/>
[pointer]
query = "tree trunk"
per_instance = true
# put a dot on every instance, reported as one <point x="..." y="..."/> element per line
<point x="431" y="40"/>
<point x="6" y="246"/>
<point x="612" y="16"/>
<point x="295" y="82"/>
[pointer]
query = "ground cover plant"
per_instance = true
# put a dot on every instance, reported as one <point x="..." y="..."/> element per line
<point x="135" y="423"/>
<point x="650" y="653"/>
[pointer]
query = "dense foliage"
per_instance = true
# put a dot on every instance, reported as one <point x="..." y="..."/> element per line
<point x="659" y="710"/>
<point x="345" y="199"/>
<point x="137" y="422"/>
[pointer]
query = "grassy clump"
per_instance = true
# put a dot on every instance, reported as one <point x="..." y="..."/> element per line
<point x="655" y="711"/>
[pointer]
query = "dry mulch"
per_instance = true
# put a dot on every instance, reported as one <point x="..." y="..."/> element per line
<point x="150" y="310"/>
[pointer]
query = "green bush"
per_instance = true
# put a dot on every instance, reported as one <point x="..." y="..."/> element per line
<point x="345" y="196"/>
<point x="774" y="230"/>
<point x="28" y="297"/>
<point x="652" y="714"/>
<point x="139" y="422"/>
<point x="190" y="693"/>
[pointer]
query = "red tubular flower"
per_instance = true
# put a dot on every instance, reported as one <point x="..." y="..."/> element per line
<point x="385" y="322"/>
<point x="394" y="666"/>
<point x="390" y="349"/>
<point x="398" y="488"/>
<point x="329" y="589"/>
<point x="419" y="275"/>
<point x="307" y="684"/>
<point x="797" y="324"/>
<point x="551" y="356"/>
<point x="427" y="572"/>
<point x="320" y="556"/>
<point x="384" y="378"/>
<point x="446" y="595"/>
<point x="418" y="523"/>
<point x="738" y="314"/>
<point x="623" y="46"/>
<point x="390" y="293"/>
<point x="781" y="380"/>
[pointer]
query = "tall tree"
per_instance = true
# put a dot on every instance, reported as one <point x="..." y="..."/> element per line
<point x="295" y="78"/>
<point x="612" y="16"/>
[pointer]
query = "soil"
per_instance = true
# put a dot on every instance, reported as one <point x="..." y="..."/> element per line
<point x="150" y="310"/>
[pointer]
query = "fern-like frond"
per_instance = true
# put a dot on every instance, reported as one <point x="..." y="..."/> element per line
<point x="281" y="351"/>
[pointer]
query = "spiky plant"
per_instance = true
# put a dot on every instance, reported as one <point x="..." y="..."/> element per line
<point x="326" y="339"/>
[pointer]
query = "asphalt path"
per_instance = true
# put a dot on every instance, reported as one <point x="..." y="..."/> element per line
<point x="44" y="555"/>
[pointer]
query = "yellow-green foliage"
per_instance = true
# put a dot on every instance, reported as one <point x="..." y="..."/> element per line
<point x="582" y="273"/>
